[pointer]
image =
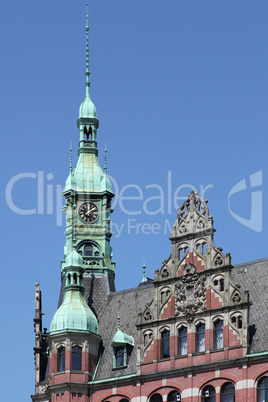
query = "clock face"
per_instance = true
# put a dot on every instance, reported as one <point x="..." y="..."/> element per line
<point x="88" y="212"/>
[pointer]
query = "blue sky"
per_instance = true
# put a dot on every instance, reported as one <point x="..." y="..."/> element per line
<point x="181" y="94"/>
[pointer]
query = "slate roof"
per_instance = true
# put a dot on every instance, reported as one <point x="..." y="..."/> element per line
<point x="106" y="307"/>
<point x="253" y="276"/>
<point x="106" y="303"/>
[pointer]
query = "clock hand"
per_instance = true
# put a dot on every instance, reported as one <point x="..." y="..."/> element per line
<point x="88" y="212"/>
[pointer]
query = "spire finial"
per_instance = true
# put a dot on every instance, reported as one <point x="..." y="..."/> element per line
<point x="118" y="321"/>
<point x="144" y="279"/>
<point x="105" y="158"/>
<point x="71" y="156"/>
<point x="87" y="54"/>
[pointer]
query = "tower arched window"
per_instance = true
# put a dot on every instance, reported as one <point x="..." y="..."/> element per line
<point x="89" y="249"/>
<point x="165" y="335"/>
<point x="208" y="394"/>
<point x="228" y="392"/>
<point x="263" y="390"/>
<point x="61" y="359"/>
<point x="174" y="396"/>
<point x="76" y="358"/>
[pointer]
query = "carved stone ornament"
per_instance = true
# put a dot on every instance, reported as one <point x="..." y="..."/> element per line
<point x="218" y="260"/>
<point x="190" y="293"/>
<point x="165" y="273"/>
<point x="147" y="315"/>
<point x="236" y="297"/>
<point x="43" y="388"/>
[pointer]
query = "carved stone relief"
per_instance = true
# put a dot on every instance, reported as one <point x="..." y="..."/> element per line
<point x="190" y="293"/>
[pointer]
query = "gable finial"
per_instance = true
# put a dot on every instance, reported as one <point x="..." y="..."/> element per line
<point x="87" y="55"/>
<point x="105" y="158"/>
<point x="144" y="279"/>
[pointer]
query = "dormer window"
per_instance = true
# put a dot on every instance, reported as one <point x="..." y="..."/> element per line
<point x="122" y="347"/>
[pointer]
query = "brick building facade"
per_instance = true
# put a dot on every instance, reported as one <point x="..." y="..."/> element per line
<point x="196" y="332"/>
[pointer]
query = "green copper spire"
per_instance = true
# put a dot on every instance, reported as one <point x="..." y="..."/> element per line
<point x="87" y="187"/>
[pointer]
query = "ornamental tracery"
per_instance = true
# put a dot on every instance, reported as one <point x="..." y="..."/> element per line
<point x="195" y="207"/>
<point x="148" y="315"/>
<point x="164" y="295"/>
<point x="147" y="339"/>
<point x="190" y="293"/>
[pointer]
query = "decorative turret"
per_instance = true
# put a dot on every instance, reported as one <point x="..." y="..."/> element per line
<point x="73" y="338"/>
<point x="74" y="313"/>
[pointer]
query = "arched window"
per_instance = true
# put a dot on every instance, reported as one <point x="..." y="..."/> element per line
<point x="61" y="359"/>
<point x="76" y="358"/>
<point x="200" y="337"/>
<point x="263" y="390"/>
<point x="156" y="398"/>
<point x="174" y="396"/>
<point x="218" y="334"/>
<point x="182" y="338"/>
<point x="228" y="392"/>
<point x="165" y="343"/>
<point x="208" y="394"/>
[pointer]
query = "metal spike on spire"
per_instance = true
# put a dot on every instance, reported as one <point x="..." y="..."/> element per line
<point x="87" y="55"/>
<point x="71" y="156"/>
<point x="105" y="158"/>
<point x="144" y="279"/>
<point x="118" y="321"/>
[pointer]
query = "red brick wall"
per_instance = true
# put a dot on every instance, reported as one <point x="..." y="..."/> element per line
<point x="194" y="259"/>
<point x="197" y="382"/>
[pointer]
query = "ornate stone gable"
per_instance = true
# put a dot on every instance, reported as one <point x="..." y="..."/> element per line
<point x="190" y="293"/>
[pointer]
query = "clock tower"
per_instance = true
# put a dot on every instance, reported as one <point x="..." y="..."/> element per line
<point x="88" y="195"/>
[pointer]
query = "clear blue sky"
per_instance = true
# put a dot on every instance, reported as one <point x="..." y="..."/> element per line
<point x="180" y="88"/>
